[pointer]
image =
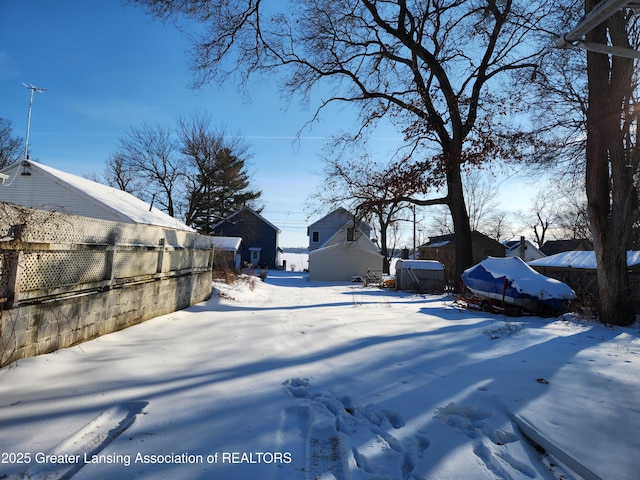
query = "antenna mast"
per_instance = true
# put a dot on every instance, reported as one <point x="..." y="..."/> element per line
<point x="33" y="89"/>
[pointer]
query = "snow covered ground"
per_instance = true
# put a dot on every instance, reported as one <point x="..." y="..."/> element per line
<point x="288" y="379"/>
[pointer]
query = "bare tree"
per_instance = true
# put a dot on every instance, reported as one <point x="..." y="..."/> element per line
<point x="217" y="180"/>
<point x="573" y="217"/>
<point x="122" y="175"/>
<point x="433" y="67"/>
<point x="499" y="226"/>
<point x="151" y="152"/>
<point x="543" y="216"/>
<point x="481" y="195"/>
<point x="11" y="146"/>
<point x="362" y="185"/>
<point x="591" y="103"/>
<point x="612" y="158"/>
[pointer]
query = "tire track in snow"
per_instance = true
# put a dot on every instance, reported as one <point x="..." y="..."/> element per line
<point x="88" y="441"/>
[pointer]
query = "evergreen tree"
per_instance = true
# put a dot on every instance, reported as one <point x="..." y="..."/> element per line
<point x="218" y="183"/>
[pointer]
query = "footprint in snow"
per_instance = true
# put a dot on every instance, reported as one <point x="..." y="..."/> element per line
<point x="342" y="438"/>
<point x="492" y="447"/>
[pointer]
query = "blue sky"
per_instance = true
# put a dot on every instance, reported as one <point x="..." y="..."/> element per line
<point x="107" y="67"/>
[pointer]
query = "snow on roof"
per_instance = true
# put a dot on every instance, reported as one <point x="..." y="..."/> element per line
<point x="420" y="264"/>
<point x="579" y="259"/>
<point x="138" y="211"/>
<point x="226" y="243"/>
<point x="439" y="244"/>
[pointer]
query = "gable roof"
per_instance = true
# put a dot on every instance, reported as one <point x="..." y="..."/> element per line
<point x="252" y="212"/>
<point x="514" y="245"/>
<point x="361" y="240"/>
<point x="73" y="191"/>
<point x="343" y="216"/>
<point x="441" y="240"/>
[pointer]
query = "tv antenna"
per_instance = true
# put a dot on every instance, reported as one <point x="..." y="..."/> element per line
<point x="33" y="89"/>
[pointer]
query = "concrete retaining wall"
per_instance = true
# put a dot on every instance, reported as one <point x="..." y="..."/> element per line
<point x="40" y="328"/>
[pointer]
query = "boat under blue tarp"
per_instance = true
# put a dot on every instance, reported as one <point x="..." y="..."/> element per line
<point x="510" y="284"/>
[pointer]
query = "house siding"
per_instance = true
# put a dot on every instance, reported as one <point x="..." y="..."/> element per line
<point x="326" y="227"/>
<point x="341" y="262"/>
<point x="255" y="233"/>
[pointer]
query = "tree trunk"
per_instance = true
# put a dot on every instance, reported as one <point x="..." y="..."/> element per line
<point x="384" y="248"/>
<point x="611" y="196"/>
<point x="460" y="217"/>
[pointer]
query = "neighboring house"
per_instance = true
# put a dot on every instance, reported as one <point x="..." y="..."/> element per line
<point x="321" y="231"/>
<point x="578" y="270"/>
<point x="259" y="237"/>
<point x="345" y="255"/>
<point x="226" y="252"/>
<point x="442" y="248"/>
<point x="551" y="247"/>
<point x="31" y="184"/>
<point x="525" y="249"/>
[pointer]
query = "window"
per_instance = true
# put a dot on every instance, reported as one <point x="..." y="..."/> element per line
<point x="315" y="236"/>
<point x="350" y="234"/>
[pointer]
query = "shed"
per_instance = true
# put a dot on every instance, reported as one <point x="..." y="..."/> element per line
<point x="226" y="252"/>
<point x="578" y="270"/>
<point x="442" y="248"/>
<point x="34" y="185"/>
<point x="419" y="275"/>
<point x="345" y="256"/>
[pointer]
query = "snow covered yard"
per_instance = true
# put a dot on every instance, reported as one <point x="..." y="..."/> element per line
<point x="288" y="379"/>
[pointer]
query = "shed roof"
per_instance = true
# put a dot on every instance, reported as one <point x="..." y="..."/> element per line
<point x="420" y="264"/>
<point x="117" y="205"/>
<point x="226" y="243"/>
<point x="579" y="259"/>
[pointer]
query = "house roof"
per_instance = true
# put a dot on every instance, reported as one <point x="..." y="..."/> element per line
<point x="251" y="211"/>
<point x="342" y="212"/>
<point x="336" y="246"/>
<point x="117" y="204"/>
<point x="579" y="259"/>
<point x="551" y="247"/>
<point x="513" y="245"/>
<point x="441" y="240"/>
<point x="339" y="238"/>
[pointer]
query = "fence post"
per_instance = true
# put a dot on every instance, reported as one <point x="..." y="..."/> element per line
<point x="12" y="261"/>
<point x="161" y="251"/>
<point x="110" y="274"/>
<point x="192" y="256"/>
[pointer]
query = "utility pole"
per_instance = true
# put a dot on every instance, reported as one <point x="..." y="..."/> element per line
<point x="33" y="89"/>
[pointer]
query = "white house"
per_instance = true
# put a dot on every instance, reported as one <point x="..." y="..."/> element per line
<point x="346" y="254"/>
<point x="34" y="185"/>
<point x="525" y="249"/>
<point x="321" y="231"/>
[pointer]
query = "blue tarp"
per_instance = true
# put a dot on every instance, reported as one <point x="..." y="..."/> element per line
<point x="512" y="279"/>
